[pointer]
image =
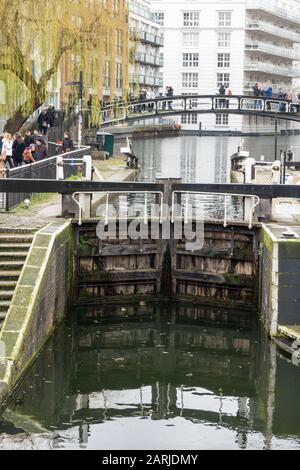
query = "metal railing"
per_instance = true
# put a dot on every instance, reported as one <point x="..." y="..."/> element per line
<point x="42" y="170"/>
<point x="166" y="106"/>
<point x="270" y="68"/>
<point x="261" y="46"/>
<point x="149" y="59"/>
<point x="274" y="30"/>
<point x="273" y="9"/>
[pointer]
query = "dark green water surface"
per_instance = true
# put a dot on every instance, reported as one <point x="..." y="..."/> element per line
<point x="156" y="377"/>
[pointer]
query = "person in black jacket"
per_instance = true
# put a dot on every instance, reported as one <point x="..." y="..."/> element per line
<point x="43" y="122"/>
<point x="18" y="150"/>
<point x="68" y="144"/>
<point x="222" y="92"/>
<point x="27" y="139"/>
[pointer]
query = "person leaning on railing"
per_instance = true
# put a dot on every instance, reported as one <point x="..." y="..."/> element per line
<point x="68" y="144"/>
<point x="2" y="164"/>
<point x="27" y="155"/>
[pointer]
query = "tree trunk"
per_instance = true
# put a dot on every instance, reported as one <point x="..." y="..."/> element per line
<point x="20" y="116"/>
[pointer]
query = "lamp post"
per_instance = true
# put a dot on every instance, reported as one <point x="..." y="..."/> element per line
<point x="79" y="84"/>
<point x="276" y="135"/>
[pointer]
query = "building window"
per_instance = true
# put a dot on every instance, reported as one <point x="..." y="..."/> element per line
<point x="190" y="118"/>
<point x="119" y="42"/>
<point x="107" y="74"/>
<point x="222" y="119"/>
<point x="189" y="80"/>
<point x="224" y="19"/>
<point x="159" y="17"/>
<point x="224" y="39"/>
<point x="116" y="6"/>
<point x="190" y="59"/>
<point x="190" y="39"/>
<point x="223" y="61"/>
<point x="223" y="79"/>
<point x="191" y="18"/>
<point x="118" y="75"/>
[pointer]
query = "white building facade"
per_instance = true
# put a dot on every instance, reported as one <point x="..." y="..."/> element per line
<point x="231" y="42"/>
<point x="146" y="43"/>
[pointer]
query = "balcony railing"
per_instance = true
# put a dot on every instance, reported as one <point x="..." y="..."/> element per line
<point x="146" y="37"/>
<point x="139" y="11"/>
<point x="269" y="68"/>
<point x="273" y="30"/>
<point x="273" y="9"/>
<point x="272" y="50"/>
<point x="149" y="59"/>
<point x="147" y="80"/>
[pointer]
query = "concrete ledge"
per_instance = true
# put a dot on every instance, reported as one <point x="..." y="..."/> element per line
<point x="38" y="304"/>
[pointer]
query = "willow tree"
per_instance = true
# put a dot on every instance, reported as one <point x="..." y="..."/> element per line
<point x="37" y="34"/>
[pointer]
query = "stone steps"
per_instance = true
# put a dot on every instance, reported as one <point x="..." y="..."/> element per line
<point x="14" y="248"/>
<point x="9" y="275"/>
<point x="4" y="285"/>
<point x="9" y="238"/>
<point x="6" y="294"/>
<point x="11" y="256"/>
<point x="4" y="306"/>
<point x="11" y="265"/>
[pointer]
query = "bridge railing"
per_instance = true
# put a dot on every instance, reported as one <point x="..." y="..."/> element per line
<point x="41" y="170"/>
<point x="181" y="104"/>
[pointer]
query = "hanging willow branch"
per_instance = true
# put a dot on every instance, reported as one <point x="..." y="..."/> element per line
<point x="36" y="36"/>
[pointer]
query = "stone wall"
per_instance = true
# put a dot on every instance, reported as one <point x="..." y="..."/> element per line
<point x="39" y="302"/>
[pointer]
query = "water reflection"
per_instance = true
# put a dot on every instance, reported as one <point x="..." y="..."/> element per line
<point x="163" y="377"/>
<point x="198" y="159"/>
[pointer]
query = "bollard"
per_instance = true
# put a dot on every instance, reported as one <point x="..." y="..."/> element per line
<point x="60" y="168"/>
<point x="86" y="199"/>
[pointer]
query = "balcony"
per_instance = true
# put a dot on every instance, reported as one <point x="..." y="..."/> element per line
<point x="149" y="59"/>
<point x="269" y="7"/>
<point x="270" y="49"/>
<point x="142" y="12"/>
<point x="147" y="38"/>
<point x="271" y="69"/>
<point x="146" y="80"/>
<point x="274" y="31"/>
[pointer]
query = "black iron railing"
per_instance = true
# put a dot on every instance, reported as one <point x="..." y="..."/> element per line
<point x="43" y="170"/>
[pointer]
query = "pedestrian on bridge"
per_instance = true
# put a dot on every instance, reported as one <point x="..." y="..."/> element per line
<point x="222" y="92"/>
<point x="295" y="102"/>
<point x="257" y="92"/>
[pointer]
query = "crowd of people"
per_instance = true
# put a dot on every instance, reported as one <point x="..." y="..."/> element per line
<point x="291" y="96"/>
<point x="24" y="149"/>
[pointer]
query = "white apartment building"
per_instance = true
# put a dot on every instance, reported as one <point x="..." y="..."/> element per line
<point x="232" y="42"/>
<point x="146" y="43"/>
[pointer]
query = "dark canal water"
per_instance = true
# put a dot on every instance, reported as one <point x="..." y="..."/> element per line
<point x="166" y="377"/>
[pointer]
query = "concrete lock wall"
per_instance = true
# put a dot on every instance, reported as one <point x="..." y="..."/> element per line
<point x="39" y="302"/>
<point x="280" y="277"/>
